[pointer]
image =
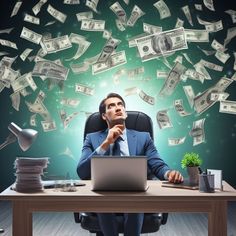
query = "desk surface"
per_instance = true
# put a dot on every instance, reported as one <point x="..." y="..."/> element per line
<point x="154" y="191"/>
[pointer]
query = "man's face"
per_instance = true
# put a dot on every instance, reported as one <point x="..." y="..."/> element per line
<point x="115" y="111"/>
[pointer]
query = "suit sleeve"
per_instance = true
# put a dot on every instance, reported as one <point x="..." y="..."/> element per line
<point x="157" y="166"/>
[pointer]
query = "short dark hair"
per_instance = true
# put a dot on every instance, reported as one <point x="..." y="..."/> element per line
<point x="102" y="107"/>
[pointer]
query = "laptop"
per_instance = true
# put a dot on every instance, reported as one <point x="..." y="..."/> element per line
<point x="119" y="173"/>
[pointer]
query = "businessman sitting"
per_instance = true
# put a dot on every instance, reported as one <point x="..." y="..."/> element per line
<point x="131" y="142"/>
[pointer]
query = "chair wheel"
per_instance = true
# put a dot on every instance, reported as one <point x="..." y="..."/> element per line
<point x="1" y="231"/>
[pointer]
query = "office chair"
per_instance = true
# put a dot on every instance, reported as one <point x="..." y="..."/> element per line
<point x="152" y="221"/>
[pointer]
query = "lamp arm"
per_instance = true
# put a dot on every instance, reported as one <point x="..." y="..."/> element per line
<point x="11" y="138"/>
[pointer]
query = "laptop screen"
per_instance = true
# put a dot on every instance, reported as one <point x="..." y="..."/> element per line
<point x="119" y="173"/>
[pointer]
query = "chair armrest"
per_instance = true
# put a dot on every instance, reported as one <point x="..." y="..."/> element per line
<point x="164" y="218"/>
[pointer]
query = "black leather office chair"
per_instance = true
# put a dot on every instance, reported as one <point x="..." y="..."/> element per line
<point x="152" y="221"/>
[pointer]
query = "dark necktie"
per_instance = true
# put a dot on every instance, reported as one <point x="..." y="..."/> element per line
<point x="116" y="147"/>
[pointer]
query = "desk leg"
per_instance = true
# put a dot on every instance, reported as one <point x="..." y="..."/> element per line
<point x="217" y="219"/>
<point x="22" y="219"/>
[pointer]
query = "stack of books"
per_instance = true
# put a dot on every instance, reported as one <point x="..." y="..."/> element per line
<point x="28" y="174"/>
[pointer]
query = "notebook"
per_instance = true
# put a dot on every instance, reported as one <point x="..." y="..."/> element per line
<point x="119" y="173"/>
<point x="184" y="184"/>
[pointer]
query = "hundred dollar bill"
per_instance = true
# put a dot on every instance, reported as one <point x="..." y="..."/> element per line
<point x="232" y="13"/>
<point x="209" y="4"/>
<point x="32" y="19"/>
<point x="193" y="35"/>
<point x="198" y="7"/>
<point x="80" y="88"/>
<point x="211" y="65"/>
<point x="221" y="56"/>
<point x="198" y="132"/>
<point x="92" y="25"/>
<point x="214" y="27"/>
<point x="231" y="33"/>
<point x="217" y="46"/>
<point x="135" y="72"/>
<point x="119" y="11"/>
<point x="203" y="22"/>
<point x="106" y="34"/>
<point x="33" y="121"/>
<point x="84" y="15"/>
<point x="36" y="9"/>
<point x="30" y="35"/>
<point x="6" y="31"/>
<point x="7" y="61"/>
<point x="203" y="101"/>
<point x="132" y="42"/>
<point x="199" y="67"/>
<point x="194" y="75"/>
<point x="179" y="23"/>
<point x="146" y="98"/>
<point x="56" y="14"/>
<point x="187" y="13"/>
<point x="207" y="52"/>
<point x="24" y="92"/>
<point x="92" y="4"/>
<point x="25" y="54"/>
<point x="8" y="43"/>
<point x="172" y="79"/>
<point x="178" y="105"/>
<point x="162" y="74"/>
<point x="135" y="15"/>
<point x="71" y="2"/>
<point x="163" y="9"/>
<point x="50" y="70"/>
<point x="56" y="44"/>
<point x="178" y="59"/>
<point x="228" y="107"/>
<point x="69" y="118"/>
<point x="116" y="59"/>
<point x="163" y="119"/>
<point x="156" y="45"/>
<point x="40" y="97"/>
<point x="50" y="23"/>
<point x="119" y="25"/>
<point x="151" y="29"/>
<point x="108" y="49"/>
<point x="131" y="91"/>
<point x="221" y="96"/>
<point x="8" y="75"/>
<point x="80" y="68"/>
<point x="70" y="102"/>
<point x="188" y="90"/>
<point x="1" y="86"/>
<point x="175" y="141"/>
<point x="16" y="8"/>
<point x="15" y="99"/>
<point x="48" y="125"/>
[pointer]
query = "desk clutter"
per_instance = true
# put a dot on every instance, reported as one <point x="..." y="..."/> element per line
<point x="28" y="174"/>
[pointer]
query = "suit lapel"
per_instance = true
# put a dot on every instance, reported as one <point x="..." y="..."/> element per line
<point x="102" y="137"/>
<point x="132" y="142"/>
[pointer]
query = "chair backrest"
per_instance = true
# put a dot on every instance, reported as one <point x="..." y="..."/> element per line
<point x="136" y="120"/>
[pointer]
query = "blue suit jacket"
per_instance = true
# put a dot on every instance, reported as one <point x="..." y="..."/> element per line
<point x="139" y="143"/>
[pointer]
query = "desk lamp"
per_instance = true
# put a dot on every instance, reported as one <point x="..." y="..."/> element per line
<point x="25" y="139"/>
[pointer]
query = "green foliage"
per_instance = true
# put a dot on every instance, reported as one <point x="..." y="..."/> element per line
<point x="190" y="159"/>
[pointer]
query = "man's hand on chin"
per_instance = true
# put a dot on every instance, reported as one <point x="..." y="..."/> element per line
<point x="175" y="176"/>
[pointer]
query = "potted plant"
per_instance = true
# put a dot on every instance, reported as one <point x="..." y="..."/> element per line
<point x="191" y="161"/>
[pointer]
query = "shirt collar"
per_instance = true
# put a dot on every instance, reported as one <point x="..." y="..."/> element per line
<point x="124" y="135"/>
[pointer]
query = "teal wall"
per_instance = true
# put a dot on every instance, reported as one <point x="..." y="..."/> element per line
<point x="218" y="150"/>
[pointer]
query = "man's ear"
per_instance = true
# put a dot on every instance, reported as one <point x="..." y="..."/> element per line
<point x="104" y="116"/>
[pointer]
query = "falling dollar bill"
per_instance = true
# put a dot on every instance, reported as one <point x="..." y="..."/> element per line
<point x="119" y="11"/>
<point x="232" y="14"/>
<point x="106" y="34"/>
<point x="214" y="27"/>
<point x="187" y="13"/>
<point x="15" y="99"/>
<point x="131" y="91"/>
<point x="231" y="33"/>
<point x="36" y="9"/>
<point x="163" y="119"/>
<point x="162" y="74"/>
<point x="172" y="79"/>
<point x="116" y="59"/>
<point x="198" y="132"/>
<point x="71" y="2"/>
<point x="146" y="98"/>
<point x="135" y="72"/>
<point x="211" y="65"/>
<point x="8" y="43"/>
<point x="92" y="25"/>
<point x="56" y="14"/>
<point x="80" y="88"/>
<point x="179" y="23"/>
<point x="70" y="102"/>
<point x="163" y="9"/>
<point x="156" y="45"/>
<point x="132" y="40"/>
<point x="32" y="19"/>
<point x="178" y="105"/>
<point x="108" y="48"/>
<point x="79" y="68"/>
<point x="48" y="125"/>
<point x="193" y="35"/>
<point x="175" y="141"/>
<point x="56" y="44"/>
<point x="228" y="107"/>
<point x="84" y="15"/>
<point x="221" y="56"/>
<point x="33" y="121"/>
<point x="203" y="101"/>
<point x="209" y="4"/>
<point x="30" y="35"/>
<point x="194" y="75"/>
<point x="188" y="90"/>
<point x="92" y="4"/>
<point x="25" y="54"/>
<point x="16" y="8"/>
<point x="198" y="7"/>
<point x="135" y="15"/>
<point x="69" y="118"/>
<point x="151" y="29"/>
<point x="6" y="31"/>
<point x="221" y="96"/>
<point x="50" y="70"/>
<point x="217" y="46"/>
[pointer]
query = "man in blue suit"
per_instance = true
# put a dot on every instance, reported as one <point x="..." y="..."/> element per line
<point x="131" y="142"/>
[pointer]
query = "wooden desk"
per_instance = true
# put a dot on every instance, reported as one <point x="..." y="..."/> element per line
<point x="156" y="199"/>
